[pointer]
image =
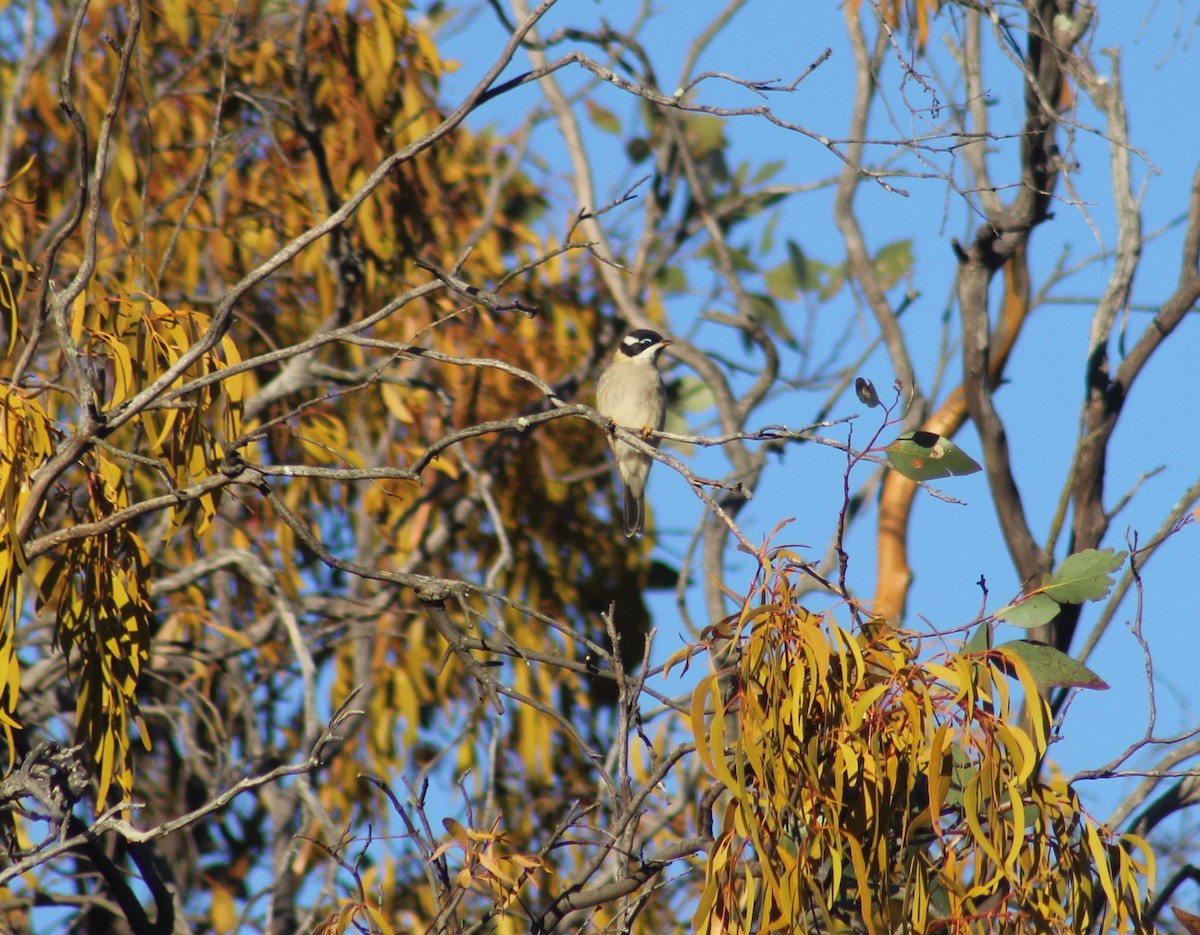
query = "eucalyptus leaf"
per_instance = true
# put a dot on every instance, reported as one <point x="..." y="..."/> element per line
<point x="1190" y="923"/>
<point x="691" y="394"/>
<point x="672" y="279"/>
<point x="962" y="769"/>
<point x="832" y="278"/>
<point x="1051" y="668"/>
<point x="781" y="281"/>
<point x="893" y="262"/>
<point x="770" y="314"/>
<point x="676" y="424"/>
<point x="1084" y="576"/>
<point x="603" y="118"/>
<point x="981" y="639"/>
<point x="926" y="456"/>
<point x="1033" y="611"/>
<point x="767" y="171"/>
<point x="799" y="263"/>
<point x="705" y="133"/>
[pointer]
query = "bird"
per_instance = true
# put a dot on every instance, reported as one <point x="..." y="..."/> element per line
<point x="632" y="395"/>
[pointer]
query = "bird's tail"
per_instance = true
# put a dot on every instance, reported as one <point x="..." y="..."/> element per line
<point x="635" y="514"/>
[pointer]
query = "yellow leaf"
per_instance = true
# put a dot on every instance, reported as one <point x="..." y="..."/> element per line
<point x="238" y="637"/>
<point x="385" y="43"/>
<point x="922" y="13"/>
<point x="974" y="798"/>
<point x="458" y="832"/>
<point x="939" y="784"/>
<point x="1100" y="858"/>
<point x="428" y="51"/>
<point x="224" y="914"/>
<point x="1016" y="824"/>
<point x="442" y="849"/>
<point x="492" y="866"/>
<point x="718" y="743"/>
<point x="104" y="768"/>
<point x="78" y="316"/>
<point x="374" y="78"/>
<point x="175" y="18"/>
<point x="164" y="430"/>
<point x="393" y="399"/>
<point x="379" y="923"/>
<point x="1147" y="864"/>
<point x="864" y="703"/>
<point x="861" y="874"/>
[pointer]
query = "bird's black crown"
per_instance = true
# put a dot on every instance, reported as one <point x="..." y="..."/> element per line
<point x="638" y="341"/>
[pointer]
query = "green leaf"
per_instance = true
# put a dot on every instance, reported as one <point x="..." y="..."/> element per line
<point x="1084" y="576"/>
<point x="799" y="263"/>
<point x="927" y="456"/>
<point x="603" y="118"/>
<point x="962" y="770"/>
<point x="767" y="170"/>
<point x="686" y="394"/>
<point x="744" y="208"/>
<point x="1033" y="611"/>
<point x="834" y="279"/>
<point x="1051" y="668"/>
<point x="691" y="394"/>
<point x="781" y="281"/>
<point x="766" y="243"/>
<point x="739" y="258"/>
<point x="981" y="639"/>
<point x="676" y="424"/>
<point x="705" y="133"/>
<point x="712" y="168"/>
<point x="812" y="275"/>
<point x="893" y="262"/>
<point x="672" y="278"/>
<point x="769" y="313"/>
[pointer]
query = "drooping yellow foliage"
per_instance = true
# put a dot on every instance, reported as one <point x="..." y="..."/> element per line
<point x="870" y="786"/>
<point x="206" y="376"/>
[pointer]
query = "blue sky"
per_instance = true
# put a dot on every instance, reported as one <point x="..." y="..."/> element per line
<point x="952" y="546"/>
